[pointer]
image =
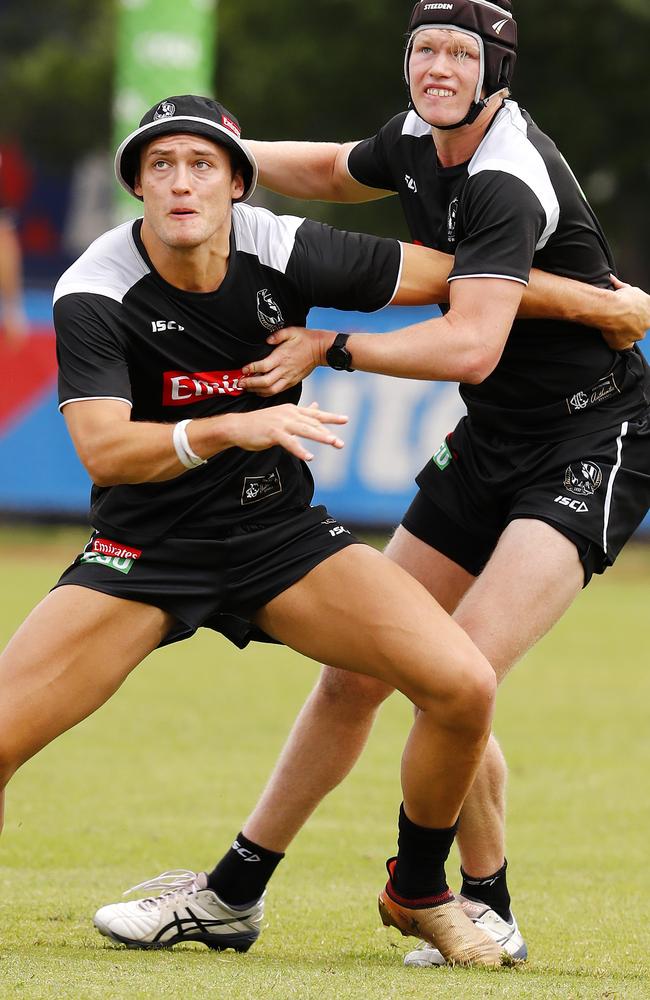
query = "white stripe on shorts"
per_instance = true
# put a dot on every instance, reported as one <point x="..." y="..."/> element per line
<point x="610" y="484"/>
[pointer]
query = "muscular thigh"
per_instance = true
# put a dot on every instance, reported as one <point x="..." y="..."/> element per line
<point x="359" y="611"/>
<point x="532" y="578"/>
<point x="68" y="657"/>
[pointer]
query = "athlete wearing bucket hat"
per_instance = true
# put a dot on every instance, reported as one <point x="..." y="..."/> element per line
<point x="189" y="115"/>
<point x="550" y="469"/>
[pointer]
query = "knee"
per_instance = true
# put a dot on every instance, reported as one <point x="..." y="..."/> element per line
<point x="350" y="693"/>
<point x="466" y="702"/>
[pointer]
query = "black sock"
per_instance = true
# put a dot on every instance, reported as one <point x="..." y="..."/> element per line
<point x="242" y="874"/>
<point x="492" y="890"/>
<point x="419" y="873"/>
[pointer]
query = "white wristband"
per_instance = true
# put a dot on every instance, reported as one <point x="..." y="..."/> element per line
<point x="185" y="455"/>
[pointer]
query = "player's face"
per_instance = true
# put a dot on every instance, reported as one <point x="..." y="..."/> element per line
<point x="188" y="188"/>
<point x="444" y="70"/>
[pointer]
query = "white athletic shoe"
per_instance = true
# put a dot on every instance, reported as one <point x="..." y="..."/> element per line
<point x="186" y="910"/>
<point x="504" y="932"/>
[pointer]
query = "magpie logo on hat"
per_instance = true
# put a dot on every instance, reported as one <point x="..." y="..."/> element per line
<point x="192" y="115"/>
<point x="164" y="110"/>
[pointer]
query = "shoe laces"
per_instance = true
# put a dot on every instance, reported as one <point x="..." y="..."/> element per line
<point x="179" y="882"/>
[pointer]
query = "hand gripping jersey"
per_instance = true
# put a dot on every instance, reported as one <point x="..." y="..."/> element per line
<point x="125" y="333"/>
<point x="515" y="205"/>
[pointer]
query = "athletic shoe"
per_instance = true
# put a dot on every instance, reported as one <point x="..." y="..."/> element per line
<point x="186" y="910"/>
<point x="444" y="926"/>
<point x="506" y="933"/>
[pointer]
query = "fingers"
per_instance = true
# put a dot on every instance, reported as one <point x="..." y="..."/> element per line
<point x="323" y="415"/>
<point x="616" y="283"/>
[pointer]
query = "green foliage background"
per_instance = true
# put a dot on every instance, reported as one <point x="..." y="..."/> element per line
<point x="332" y="69"/>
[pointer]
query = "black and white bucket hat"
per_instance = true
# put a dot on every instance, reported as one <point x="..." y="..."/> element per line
<point x="195" y="116"/>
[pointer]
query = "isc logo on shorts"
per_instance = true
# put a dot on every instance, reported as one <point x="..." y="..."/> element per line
<point x="579" y="506"/>
<point x="181" y="388"/>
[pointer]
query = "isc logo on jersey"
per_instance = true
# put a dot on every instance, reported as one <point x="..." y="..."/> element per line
<point x="163" y="325"/>
<point x="181" y="388"/>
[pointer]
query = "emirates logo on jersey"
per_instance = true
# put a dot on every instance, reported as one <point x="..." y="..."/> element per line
<point x="181" y="388"/>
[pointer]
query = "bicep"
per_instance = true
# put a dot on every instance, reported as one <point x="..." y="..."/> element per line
<point x="486" y="306"/>
<point x="346" y="187"/>
<point x="423" y="278"/>
<point x="90" y="422"/>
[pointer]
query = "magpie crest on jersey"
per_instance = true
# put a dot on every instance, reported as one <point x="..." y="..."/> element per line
<point x="110" y="346"/>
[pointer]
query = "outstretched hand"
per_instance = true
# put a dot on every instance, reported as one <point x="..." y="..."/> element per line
<point x="297" y="352"/>
<point x="284" y="425"/>
<point x="632" y="319"/>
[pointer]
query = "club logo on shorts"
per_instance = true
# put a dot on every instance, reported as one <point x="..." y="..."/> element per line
<point x="258" y="488"/>
<point x="164" y="110"/>
<point x="181" y="388"/>
<point x="268" y="311"/>
<point x="583" y="478"/>
<point x="113" y="555"/>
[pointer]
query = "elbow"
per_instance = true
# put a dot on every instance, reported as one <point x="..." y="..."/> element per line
<point x="476" y="367"/>
<point x="100" y="472"/>
<point x="100" y="466"/>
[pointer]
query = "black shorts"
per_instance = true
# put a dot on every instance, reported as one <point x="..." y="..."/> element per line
<point x="594" y="489"/>
<point x="215" y="583"/>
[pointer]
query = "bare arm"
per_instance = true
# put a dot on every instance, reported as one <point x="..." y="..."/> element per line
<point x="11" y="299"/>
<point x="623" y="316"/>
<point x="311" y="170"/>
<point x="465" y="345"/>
<point x="116" y="450"/>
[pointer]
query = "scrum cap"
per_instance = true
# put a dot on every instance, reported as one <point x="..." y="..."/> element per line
<point x="491" y="24"/>
<point x="194" y="116"/>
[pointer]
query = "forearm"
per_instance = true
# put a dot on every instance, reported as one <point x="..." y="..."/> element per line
<point x="10" y="268"/>
<point x="442" y="349"/>
<point x="549" y="296"/>
<point x="126" y="452"/>
<point x="309" y="170"/>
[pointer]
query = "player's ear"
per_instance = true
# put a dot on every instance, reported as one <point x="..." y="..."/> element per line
<point x="137" y="186"/>
<point x="238" y="186"/>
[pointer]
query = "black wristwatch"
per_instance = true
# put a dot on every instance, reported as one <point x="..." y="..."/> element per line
<point x="338" y="356"/>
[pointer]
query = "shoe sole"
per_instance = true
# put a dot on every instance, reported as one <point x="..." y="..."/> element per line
<point x="241" y="943"/>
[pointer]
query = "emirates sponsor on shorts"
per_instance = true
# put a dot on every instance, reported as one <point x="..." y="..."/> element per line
<point x="105" y="547"/>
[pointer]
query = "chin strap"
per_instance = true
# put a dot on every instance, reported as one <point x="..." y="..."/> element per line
<point x="471" y="116"/>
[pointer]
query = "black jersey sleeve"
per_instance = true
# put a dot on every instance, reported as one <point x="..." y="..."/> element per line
<point x="331" y="267"/>
<point x="372" y="161"/>
<point x="92" y="361"/>
<point x="502" y="221"/>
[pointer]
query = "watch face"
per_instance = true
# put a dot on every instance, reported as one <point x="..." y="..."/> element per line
<point x="338" y="358"/>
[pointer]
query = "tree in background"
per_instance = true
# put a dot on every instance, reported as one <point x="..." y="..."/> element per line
<point x="333" y="69"/>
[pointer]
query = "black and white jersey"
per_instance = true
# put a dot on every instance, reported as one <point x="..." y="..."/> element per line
<point x="124" y="333"/>
<point x="515" y="205"/>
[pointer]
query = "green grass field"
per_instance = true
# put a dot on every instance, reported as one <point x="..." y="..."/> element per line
<point x="164" y="775"/>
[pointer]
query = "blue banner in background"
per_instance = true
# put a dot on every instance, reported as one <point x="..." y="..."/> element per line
<point x="395" y="426"/>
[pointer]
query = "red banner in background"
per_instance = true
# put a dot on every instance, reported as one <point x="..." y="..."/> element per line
<point x="27" y="372"/>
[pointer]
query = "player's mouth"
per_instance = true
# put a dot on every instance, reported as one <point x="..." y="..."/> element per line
<point x="439" y="92"/>
<point x="181" y="213"/>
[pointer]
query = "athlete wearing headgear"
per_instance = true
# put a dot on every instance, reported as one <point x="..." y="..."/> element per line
<point x="541" y="484"/>
<point x="495" y="31"/>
